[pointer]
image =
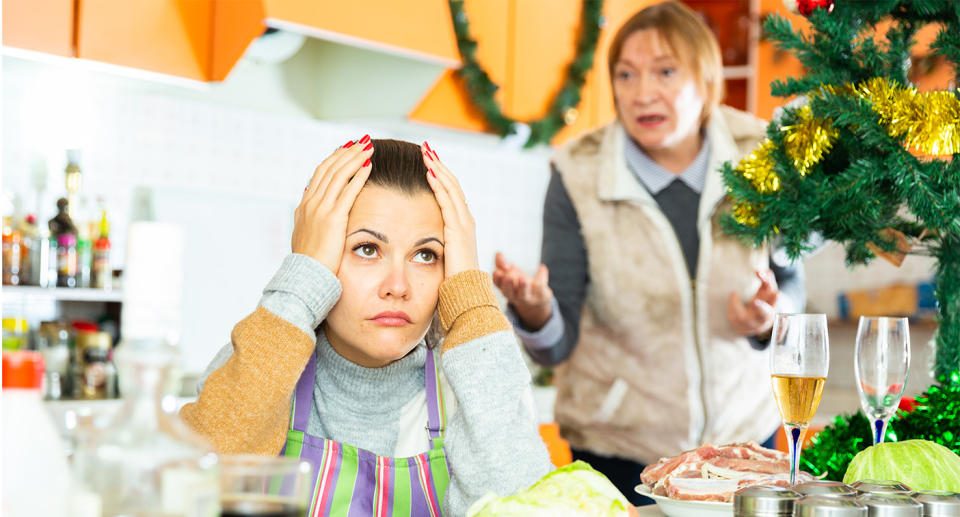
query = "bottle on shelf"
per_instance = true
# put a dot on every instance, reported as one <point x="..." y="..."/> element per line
<point x="11" y="257"/>
<point x="73" y="177"/>
<point x="96" y="373"/>
<point x="62" y="223"/>
<point x="101" y="272"/>
<point x="31" y="252"/>
<point x="36" y="477"/>
<point x="67" y="260"/>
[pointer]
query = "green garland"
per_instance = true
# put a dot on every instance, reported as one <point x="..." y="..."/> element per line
<point x="862" y="185"/>
<point x="935" y="418"/>
<point x="563" y="109"/>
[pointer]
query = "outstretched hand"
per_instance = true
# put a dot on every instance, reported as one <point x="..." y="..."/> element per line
<point x="529" y="296"/>
<point x="320" y="221"/>
<point x="756" y="316"/>
<point x="459" y="228"/>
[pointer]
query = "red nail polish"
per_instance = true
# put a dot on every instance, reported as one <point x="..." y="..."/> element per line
<point x="305" y="189"/>
<point x="427" y="144"/>
<point x="348" y="144"/>
<point x="431" y="173"/>
<point x="368" y="147"/>
<point x="365" y="139"/>
<point x="435" y="155"/>
<point x="367" y="162"/>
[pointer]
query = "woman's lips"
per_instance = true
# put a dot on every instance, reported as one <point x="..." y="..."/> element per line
<point x="650" y="121"/>
<point x="391" y="319"/>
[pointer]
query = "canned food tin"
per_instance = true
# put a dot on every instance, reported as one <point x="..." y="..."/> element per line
<point x="937" y="503"/>
<point x="890" y="505"/>
<point x="880" y="486"/>
<point x="827" y="488"/>
<point x="763" y="501"/>
<point x="829" y="506"/>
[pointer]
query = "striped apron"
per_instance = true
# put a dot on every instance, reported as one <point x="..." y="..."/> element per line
<point x="353" y="482"/>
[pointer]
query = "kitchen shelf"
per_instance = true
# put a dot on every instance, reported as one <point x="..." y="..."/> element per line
<point x="79" y="294"/>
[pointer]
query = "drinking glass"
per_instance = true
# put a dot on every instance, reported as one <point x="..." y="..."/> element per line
<point x="882" y="360"/>
<point x="799" y="358"/>
<point x="264" y="486"/>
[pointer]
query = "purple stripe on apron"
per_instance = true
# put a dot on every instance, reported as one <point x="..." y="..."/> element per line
<point x="418" y="499"/>
<point x="304" y="397"/>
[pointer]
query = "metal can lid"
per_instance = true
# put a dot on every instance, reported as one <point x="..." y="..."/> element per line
<point x="764" y="500"/>
<point x="891" y="505"/>
<point x="937" y="503"/>
<point x="821" y="487"/>
<point x="827" y="506"/>
<point x="880" y="486"/>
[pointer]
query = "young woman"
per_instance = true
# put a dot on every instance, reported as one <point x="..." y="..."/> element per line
<point x="341" y="363"/>
<point x="658" y="317"/>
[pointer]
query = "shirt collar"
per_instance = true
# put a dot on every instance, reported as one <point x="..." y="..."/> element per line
<point x="655" y="178"/>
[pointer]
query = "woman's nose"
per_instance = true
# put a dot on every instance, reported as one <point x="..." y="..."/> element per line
<point x="645" y="90"/>
<point x="395" y="284"/>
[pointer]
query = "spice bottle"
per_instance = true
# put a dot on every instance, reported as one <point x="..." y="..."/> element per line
<point x="67" y="260"/>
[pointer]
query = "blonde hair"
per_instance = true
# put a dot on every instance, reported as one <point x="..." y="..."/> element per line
<point x="689" y="38"/>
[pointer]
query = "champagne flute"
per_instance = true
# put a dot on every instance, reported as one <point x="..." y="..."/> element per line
<point x="882" y="362"/>
<point x="799" y="358"/>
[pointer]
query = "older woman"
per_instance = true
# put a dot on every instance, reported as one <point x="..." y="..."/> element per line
<point x="658" y="318"/>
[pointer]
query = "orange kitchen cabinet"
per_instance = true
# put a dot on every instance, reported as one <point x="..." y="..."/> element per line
<point x="39" y="25"/>
<point x="195" y="39"/>
<point x="413" y="28"/>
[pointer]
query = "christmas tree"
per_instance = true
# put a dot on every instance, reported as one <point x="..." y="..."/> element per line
<point x="864" y="159"/>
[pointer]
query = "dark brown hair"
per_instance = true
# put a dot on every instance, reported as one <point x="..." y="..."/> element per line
<point x="690" y="39"/>
<point x="398" y="165"/>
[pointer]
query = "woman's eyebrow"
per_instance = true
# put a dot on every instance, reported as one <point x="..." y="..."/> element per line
<point x="378" y="235"/>
<point x="421" y="242"/>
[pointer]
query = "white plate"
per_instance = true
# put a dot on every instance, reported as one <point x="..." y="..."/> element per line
<point x="680" y="508"/>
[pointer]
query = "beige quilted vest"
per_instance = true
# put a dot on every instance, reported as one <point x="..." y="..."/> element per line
<point x="658" y="368"/>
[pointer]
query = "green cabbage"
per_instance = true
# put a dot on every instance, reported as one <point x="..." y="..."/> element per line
<point x="574" y="490"/>
<point x="919" y="464"/>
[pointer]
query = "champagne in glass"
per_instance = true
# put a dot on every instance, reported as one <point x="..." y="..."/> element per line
<point x="799" y="359"/>
<point x="882" y="361"/>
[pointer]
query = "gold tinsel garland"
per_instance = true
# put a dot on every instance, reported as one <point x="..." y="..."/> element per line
<point x="928" y="122"/>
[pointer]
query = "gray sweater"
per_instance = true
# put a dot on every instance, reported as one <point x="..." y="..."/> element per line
<point x="491" y="439"/>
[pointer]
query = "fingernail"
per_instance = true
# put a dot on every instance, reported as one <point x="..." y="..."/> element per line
<point x="304" y="189"/>
<point x="348" y="144"/>
<point x="368" y="147"/>
<point x="367" y="162"/>
<point x="431" y="173"/>
<point x="426" y="153"/>
<point x="435" y="155"/>
<point x="365" y="139"/>
<point x="428" y="145"/>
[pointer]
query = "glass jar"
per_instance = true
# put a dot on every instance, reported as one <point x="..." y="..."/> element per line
<point x="11" y="258"/>
<point x="53" y="343"/>
<point x="147" y="461"/>
<point x="96" y="376"/>
<point x="16" y="334"/>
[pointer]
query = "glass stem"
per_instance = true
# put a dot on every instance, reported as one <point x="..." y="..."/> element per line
<point x="795" y="441"/>
<point x="879" y="430"/>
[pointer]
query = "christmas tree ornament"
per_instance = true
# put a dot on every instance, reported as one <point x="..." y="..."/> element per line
<point x="791" y="6"/>
<point x="806" y="7"/>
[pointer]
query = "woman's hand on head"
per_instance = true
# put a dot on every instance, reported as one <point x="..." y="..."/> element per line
<point x="459" y="228"/>
<point x="320" y="221"/>
<point x="529" y="296"/>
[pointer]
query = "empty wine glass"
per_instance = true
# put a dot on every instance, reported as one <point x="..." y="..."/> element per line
<point x="882" y="361"/>
<point x="799" y="359"/>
